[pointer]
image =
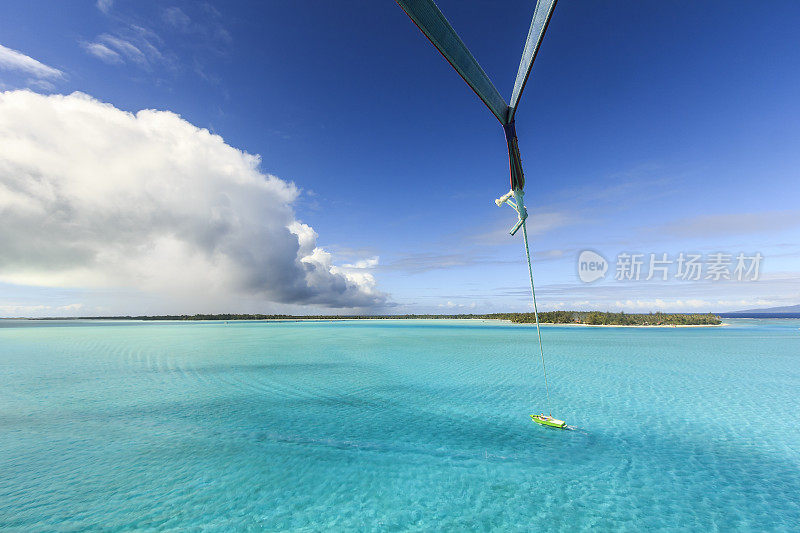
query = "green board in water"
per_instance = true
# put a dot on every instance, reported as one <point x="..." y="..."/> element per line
<point x="548" y="421"/>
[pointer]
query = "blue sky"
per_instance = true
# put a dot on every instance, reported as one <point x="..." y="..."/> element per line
<point x="645" y="128"/>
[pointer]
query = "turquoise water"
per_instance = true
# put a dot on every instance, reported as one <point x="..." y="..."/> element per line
<point x="397" y="425"/>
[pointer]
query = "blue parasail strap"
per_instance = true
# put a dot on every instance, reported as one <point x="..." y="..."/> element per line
<point x="541" y="17"/>
<point x="430" y="20"/>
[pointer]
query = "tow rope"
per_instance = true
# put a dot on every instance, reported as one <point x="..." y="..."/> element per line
<point x="430" y="20"/>
<point x="519" y="206"/>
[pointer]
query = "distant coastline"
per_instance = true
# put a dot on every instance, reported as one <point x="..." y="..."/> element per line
<point x="584" y="318"/>
<point x="754" y="315"/>
<point x="600" y="318"/>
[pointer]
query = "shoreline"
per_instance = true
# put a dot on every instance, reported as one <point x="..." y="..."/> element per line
<point x="392" y="319"/>
<point x="637" y="325"/>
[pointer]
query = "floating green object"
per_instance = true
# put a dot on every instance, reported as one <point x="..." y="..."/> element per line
<point x="545" y="420"/>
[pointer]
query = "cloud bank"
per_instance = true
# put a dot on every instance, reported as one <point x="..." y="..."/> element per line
<point x="93" y="196"/>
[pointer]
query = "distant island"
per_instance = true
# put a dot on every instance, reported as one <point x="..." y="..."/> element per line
<point x="786" y="311"/>
<point x="590" y="318"/>
<point x="600" y="318"/>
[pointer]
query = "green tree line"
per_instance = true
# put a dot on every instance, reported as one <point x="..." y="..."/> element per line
<point x="547" y="317"/>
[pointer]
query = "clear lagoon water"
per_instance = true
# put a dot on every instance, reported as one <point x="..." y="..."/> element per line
<point x="397" y="425"/>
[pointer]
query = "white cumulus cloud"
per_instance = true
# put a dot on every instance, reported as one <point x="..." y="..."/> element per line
<point x="93" y="196"/>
